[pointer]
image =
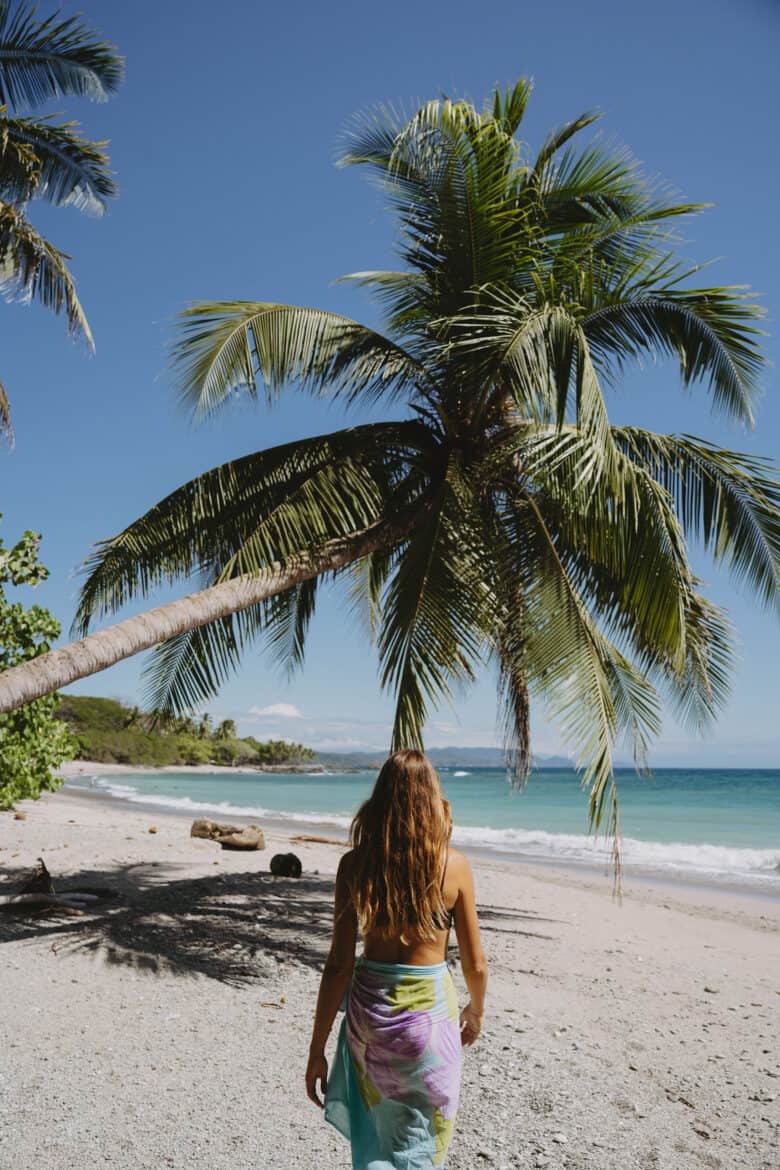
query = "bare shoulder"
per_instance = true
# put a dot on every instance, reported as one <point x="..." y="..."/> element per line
<point x="346" y="864"/>
<point x="458" y="864"/>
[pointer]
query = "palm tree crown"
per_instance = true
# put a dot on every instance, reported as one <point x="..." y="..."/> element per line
<point x="42" y="158"/>
<point x="529" y="532"/>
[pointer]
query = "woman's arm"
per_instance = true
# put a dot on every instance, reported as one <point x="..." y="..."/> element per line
<point x="335" y="980"/>
<point x="472" y="957"/>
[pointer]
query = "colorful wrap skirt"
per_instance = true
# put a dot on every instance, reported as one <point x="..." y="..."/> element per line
<point x="393" y="1088"/>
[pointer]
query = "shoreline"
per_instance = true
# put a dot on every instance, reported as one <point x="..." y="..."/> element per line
<point x="761" y="885"/>
<point x="594" y="875"/>
<point x="75" y="768"/>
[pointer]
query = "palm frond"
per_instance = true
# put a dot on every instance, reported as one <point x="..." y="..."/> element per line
<point x="433" y="616"/>
<point x="558" y="138"/>
<point x="514" y="701"/>
<point x="509" y="107"/>
<point x="189" y="669"/>
<point x="44" y="59"/>
<point x="449" y="172"/>
<point x="228" y="347"/>
<point x="6" y="430"/>
<point x="619" y="521"/>
<point x="710" y="331"/>
<point x="592" y="691"/>
<point x="263" y="507"/>
<point x="287" y="620"/>
<point x="728" y="500"/>
<point x="33" y="269"/>
<point x="66" y="168"/>
<point x="368" y="579"/>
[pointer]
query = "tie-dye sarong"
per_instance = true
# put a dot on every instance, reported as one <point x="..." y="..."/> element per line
<point x="393" y="1089"/>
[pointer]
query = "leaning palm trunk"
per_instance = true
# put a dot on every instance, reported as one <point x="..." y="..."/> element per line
<point x="58" y="668"/>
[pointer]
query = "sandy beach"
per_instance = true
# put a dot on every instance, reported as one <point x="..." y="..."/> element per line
<point x="169" y="1028"/>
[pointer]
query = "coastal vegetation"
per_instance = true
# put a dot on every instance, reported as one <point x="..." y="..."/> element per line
<point x="33" y="742"/>
<point x="44" y="158"/>
<point x="109" y="732"/>
<point x="502" y="518"/>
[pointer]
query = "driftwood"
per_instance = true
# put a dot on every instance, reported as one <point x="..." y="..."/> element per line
<point x="37" y="894"/>
<point x="302" y="838"/>
<point x="210" y="830"/>
<point x="250" y="837"/>
<point x="229" y="836"/>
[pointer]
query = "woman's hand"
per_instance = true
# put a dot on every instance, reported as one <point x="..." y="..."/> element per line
<point x="470" y="1025"/>
<point x="317" y="1071"/>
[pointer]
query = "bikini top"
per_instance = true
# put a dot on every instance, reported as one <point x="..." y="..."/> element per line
<point x="447" y="921"/>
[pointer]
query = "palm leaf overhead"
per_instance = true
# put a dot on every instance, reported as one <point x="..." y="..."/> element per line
<point x="41" y="158"/>
<point x="64" y="168"/>
<point x="509" y="522"/>
<point x="33" y="269"/>
<point x="55" y="57"/>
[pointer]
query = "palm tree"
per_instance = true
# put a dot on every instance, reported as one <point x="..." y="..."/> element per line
<point x="41" y="158"/>
<point x="225" y="730"/>
<point x="504" y="518"/>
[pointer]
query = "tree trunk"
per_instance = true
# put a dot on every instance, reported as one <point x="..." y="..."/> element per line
<point x="49" y="672"/>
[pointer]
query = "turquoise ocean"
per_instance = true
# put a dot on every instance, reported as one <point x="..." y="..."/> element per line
<point x="710" y="826"/>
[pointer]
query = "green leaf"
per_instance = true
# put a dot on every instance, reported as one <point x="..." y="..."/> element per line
<point x="33" y="269"/>
<point x="261" y="508"/>
<point x="63" y="167"/>
<point x="228" y="347"/>
<point x="51" y="58"/>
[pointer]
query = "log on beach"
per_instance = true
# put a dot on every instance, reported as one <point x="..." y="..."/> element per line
<point x="229" y="836"/>
<point x="210" y="830"/>
<point x="251" y="837"/>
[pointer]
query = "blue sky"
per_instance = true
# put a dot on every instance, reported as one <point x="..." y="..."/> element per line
<point x="223" y="139"/>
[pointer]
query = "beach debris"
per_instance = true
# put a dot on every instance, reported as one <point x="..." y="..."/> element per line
<point x="303" y="838"/>
<point x="37" y="895"/>
<point x="286" y="865"/>
<point x="712" y="990"/>
<point x="210" y="830"/>
<point x="40" y="881"/>
<point x="20" y="816"/>
<point x="250" y="837"/>
<point x="152" y="829"/>
<point x="229" y="836"/>
<point x="559" y="1138"/>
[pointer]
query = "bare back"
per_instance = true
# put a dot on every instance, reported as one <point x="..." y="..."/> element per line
<point x="458" y="893"/>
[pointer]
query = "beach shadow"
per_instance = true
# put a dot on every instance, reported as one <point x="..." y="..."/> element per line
<point x="233" y="928"/>
<point x="490" y="916"/>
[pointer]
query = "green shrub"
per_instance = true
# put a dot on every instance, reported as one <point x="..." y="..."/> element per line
<point x="33" y="741"/>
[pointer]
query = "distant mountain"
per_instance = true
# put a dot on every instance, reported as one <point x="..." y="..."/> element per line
<point x="445" y="757"/>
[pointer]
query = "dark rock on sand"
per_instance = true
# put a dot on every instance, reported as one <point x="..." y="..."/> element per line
<point x="286" y="865"/>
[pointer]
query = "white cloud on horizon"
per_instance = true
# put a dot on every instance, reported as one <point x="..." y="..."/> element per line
<point x="277" y="711"/>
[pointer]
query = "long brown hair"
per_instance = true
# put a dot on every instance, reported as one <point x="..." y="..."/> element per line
<point x="399" y="837"/>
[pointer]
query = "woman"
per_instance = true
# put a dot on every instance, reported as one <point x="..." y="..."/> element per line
<point x="393" y="1090"/>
